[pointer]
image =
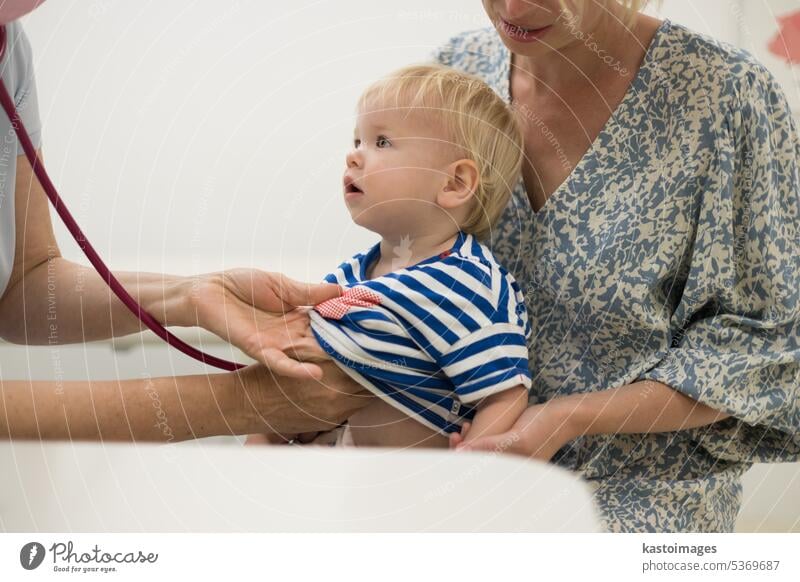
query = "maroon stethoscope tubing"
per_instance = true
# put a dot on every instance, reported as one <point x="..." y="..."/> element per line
<point x="86" y="247"/>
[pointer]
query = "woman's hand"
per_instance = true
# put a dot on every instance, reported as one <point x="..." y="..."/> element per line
<point x="291" y="406"/>
<point x="240" y="306"/>
<point x="178" y="408"/>
<point x="538" y="433"/>
<point x="642" y="407"/>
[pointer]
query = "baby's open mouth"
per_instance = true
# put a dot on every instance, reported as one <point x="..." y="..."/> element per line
<point x="350" y="187"/>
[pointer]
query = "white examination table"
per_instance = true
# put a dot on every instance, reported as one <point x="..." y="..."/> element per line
<point x="210" y="487"/>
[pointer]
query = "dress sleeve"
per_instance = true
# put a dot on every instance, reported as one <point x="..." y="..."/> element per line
<point x="737" y="345"/>
<point x="20" y="81"/>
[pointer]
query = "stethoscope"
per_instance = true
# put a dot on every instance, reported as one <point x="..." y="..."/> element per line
<point x="80" y="238"/>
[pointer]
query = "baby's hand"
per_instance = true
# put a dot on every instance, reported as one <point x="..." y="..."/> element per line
<point x="457" y="438"/>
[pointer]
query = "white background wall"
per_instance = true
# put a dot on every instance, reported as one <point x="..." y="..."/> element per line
<point x="195" y="136"/>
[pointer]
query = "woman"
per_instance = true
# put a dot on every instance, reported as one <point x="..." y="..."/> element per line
<point x="45" y="299"/>
<point x="655" y="230"/>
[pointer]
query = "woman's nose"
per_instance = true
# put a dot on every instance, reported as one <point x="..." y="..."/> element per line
<point x="519" y="8"/>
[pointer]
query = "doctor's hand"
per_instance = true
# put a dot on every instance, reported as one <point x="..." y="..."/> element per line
<point x="538" y="433"/>
<point x="255" y="311"/>
<point x="292" y="406"/>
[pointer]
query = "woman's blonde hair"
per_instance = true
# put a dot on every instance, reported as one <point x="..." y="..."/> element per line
<point x="477" y="122"/>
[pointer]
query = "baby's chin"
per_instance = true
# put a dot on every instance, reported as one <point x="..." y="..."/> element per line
<point x="388" y="217"/>
<point x="381" y="223"/>
<point x="366" y="218"/>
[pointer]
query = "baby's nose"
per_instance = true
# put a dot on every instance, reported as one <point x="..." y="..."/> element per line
<point x="353" y="158"/>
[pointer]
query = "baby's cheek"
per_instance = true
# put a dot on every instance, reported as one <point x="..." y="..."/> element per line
<point x="410" y="181"/>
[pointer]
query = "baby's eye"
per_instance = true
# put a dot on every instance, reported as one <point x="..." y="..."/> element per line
<point x="356" y="143"/>
<point x="382" y="142"/>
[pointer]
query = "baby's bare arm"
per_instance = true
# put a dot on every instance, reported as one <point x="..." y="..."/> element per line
<point x="498" y="413"/>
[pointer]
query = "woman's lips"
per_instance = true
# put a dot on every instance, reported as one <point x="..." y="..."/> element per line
<point x="522" y="34"/>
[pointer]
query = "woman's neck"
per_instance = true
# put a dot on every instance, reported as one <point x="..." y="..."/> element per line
<point x="578" y="62"/>
<point x="404" y="251"/>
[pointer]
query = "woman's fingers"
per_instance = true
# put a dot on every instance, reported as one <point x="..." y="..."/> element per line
<point x="317" y="293"/>
<point x="290" y="333"/>
<point x="265" y="439"/>
<point x="256" y="439"/>
<point x="499" y="443"/>
<point x="240" y="306"/>
<point x="307" y="437"/>
<point x="298" y="405"/>
<point x="282" y="365"/>
<point x="296" y="293"/>
<point x="307" y="349"/>
<point x="456" y="439"/>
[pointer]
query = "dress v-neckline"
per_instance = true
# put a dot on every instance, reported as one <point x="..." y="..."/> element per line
<point x="628" y="100"/>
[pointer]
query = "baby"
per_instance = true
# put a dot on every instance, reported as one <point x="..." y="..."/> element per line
<point x="428" y="321"/>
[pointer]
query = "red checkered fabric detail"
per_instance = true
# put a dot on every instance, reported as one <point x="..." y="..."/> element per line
<point x="354" y="297"/>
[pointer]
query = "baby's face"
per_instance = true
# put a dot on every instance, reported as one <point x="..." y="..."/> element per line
<point x="395" y="171"/>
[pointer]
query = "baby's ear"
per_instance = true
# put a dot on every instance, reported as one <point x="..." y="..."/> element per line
<point x="462" y="181"/>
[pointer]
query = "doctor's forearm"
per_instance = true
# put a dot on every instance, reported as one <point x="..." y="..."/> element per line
<point x="63" y="302"/>
<point x="157" y="409"/>
<point x="172" y="409"/>
<point x="641" y="407"/>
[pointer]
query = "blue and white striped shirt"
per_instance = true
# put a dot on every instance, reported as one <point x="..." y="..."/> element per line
<point x="430" y="339"/>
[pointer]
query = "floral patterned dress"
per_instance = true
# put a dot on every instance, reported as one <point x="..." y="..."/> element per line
<point x="671" y="253"/>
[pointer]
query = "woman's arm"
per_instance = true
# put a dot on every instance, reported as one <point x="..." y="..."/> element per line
<point x="158" y="409"/>
<point x="179" y="408"/>
<point x="60" y="302"/>
<point x="641" y="407"/>
<point x="49" y="300"/>
<point x="497" y="413"/>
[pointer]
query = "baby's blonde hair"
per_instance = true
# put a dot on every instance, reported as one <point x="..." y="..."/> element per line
<point x="477" y="121"/>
